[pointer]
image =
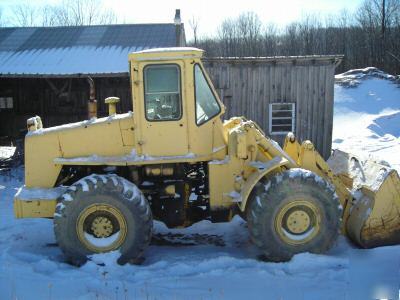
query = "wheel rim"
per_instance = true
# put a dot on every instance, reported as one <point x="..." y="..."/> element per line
<point x="101" y="228"/>
<point x="298" y="222"/>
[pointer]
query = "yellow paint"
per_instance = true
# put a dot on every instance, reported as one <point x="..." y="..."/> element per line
<point x="255" y="177"/>
<point x="112" y="105"/>
<point x="34" y="208"/>
<point x="308" y="158"/>
<point x="298" y="221"/>
<point x="298" y="217"/>
<point x="102" y="219"/>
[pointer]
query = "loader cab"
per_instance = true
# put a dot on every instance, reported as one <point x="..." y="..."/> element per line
<point x="174" y="103"/>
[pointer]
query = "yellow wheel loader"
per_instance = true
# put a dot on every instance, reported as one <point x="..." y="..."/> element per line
<point x="104" y="180"/>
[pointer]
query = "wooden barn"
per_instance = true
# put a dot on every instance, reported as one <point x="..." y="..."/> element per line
<point x="282" y="94"/>
<point x="44" y="71"/>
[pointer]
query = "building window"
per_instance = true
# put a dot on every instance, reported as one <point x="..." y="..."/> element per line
<point x="6" y="103"/>
<point x="282" y="118"/>
<point x="162" y="92"/>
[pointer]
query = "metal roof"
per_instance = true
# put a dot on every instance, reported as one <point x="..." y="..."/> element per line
<point x="100" y="49"/>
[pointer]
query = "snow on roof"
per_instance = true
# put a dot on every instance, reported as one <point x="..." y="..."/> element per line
<point x="170" y="49"/>
<point x="78" y="49"/>
<point x="353" y="77"/>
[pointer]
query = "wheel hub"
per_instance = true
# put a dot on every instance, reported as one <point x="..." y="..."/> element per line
<point x="298" y="221"/>
<point x="102" y="227"/>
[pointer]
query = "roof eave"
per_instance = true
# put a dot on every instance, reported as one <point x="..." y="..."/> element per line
<point x="332" y="59"/>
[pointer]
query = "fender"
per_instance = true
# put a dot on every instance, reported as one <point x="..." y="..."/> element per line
<point x="262" y="170"/>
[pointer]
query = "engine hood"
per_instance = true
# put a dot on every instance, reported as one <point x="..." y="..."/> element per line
<point x="109" y="136"/>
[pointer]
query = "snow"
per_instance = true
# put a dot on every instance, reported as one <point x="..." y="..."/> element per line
<point x="102" y="242"/>
<point x="67" y="197"/>
<point x="147" y="183"/>
<point x="267" y="186"/>
<point x="217" y="149"/>
<point x="168" y="50"/>
<point x="298" y="237"/>
<point x="366" y="118"/>
<point x="131" y="157"/>
<point x="353" y="78"/>
<point x="297" y="172"/>
<point x="193" y="197"/>
<point x="220" y="162"/>
<point x="258" y="199"/>
<point x="262" y="166"/>
<point x="236" y="197"/>
<point x="213" y="261"/>
<point x="34" y="123"/>
<point x="6" y="152"/>
<point x="85" y="123"/>
<point x="283" y="153"/>
<point x="29" y="194"/>
<point x="83" y="184"/>
<point x="131" y="191"/>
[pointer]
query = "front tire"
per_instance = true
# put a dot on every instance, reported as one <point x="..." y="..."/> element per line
<point x="293" y="212"/>
<point x="102" y="213"/>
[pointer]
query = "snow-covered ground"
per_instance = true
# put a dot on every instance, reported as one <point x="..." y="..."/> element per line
<point x="217" y="261"/>
<point x="367" y="115"/>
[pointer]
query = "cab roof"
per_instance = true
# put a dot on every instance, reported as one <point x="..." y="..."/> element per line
<point x="166" y="53"/>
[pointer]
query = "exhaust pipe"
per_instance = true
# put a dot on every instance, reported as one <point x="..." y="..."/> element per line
<point x="92" y="103"/>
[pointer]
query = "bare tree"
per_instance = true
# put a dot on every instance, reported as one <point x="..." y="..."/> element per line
<point x="78" y="12"/>
<point x="194" y="25"/>
<point x="24" y="14"/>
<point x="228" y="37"/>
<point x="66" y="13"/>
<point x="2" y="22"/>
<point x="378" y="18"/>
<point x="271" y="40"/>
<point x="241" y="36"/>
<point x="369" y="36"/>
<point x="249" y="29"/>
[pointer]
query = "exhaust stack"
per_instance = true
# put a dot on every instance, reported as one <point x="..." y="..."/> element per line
<point x="92" y="103"/>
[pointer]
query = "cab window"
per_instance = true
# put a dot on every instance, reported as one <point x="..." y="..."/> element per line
<point x="162" y="89"/>
<point x="206" y="103"/>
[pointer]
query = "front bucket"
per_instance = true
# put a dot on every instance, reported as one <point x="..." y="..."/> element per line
<point x="374" y="215"/>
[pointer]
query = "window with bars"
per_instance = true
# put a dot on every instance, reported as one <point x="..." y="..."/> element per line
<point x="6" y="103"/>
<point x="282" y="118"/>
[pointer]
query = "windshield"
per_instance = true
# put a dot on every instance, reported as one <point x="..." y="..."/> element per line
<point x="206" y="104"/>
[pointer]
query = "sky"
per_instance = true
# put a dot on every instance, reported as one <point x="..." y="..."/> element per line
<point x="211" y="13"/>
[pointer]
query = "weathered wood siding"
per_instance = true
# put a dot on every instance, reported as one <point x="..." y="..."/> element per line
<point x="247" y="87"/>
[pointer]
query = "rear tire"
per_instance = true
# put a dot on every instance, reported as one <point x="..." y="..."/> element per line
<point x="102" y="213"/>
<point x="293" y="212"/>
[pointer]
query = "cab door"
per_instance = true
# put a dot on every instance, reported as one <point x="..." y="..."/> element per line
<point x="164" y="122"/>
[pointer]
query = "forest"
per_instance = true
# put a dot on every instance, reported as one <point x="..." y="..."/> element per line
<point x="369" y="36"/>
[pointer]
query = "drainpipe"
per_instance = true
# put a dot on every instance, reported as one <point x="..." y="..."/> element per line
<point x="92" y="103"/>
